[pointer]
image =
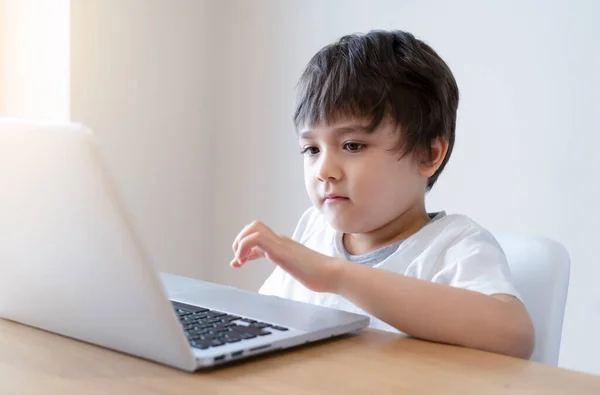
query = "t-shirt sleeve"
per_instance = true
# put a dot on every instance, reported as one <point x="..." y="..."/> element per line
<point x="275" y="284"/>
<point x="477" y="262"/>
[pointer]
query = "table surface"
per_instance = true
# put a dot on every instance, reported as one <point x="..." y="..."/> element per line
<point x="34" y="362"/>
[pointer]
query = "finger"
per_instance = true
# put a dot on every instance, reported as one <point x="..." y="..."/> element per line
<point x="263" y="240"/>
<point x="248" y="229"/>
<point x="245" y="246"/>
<point x="238" y="238"/>
<point x="255" y="253"/>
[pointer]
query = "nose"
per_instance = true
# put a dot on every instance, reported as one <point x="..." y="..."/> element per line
<point x="328" y="168"/>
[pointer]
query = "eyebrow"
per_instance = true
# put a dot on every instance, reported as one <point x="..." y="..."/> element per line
<point x="342" y="130"/>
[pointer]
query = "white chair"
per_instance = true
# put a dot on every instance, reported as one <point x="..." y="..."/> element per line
<point x="540" y="268"/>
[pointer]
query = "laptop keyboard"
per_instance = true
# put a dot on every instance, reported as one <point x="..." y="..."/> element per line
<point x="207" y="328"/>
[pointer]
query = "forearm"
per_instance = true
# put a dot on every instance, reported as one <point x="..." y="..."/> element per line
<point x="437" y="312"/>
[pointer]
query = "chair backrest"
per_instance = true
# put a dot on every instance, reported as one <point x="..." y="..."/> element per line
<point x="540" y="269"/>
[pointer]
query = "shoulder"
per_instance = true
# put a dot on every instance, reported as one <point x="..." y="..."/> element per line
<point x="456" y="229"/>
<point x="454" y="238"/>
<point x="473" y="259"/>
<point x="461" y="244"/>
<point x="468" y="235"/>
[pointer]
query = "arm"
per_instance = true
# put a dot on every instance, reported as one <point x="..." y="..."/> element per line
<point x="497" y="323"/>
<point x="419" y="308"/>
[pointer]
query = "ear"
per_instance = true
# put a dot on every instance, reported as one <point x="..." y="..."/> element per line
<point x="439" y="149"/>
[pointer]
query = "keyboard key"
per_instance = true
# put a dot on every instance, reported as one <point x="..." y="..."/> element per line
<point x="260" y="325"/>
<point x="279" y="328"/>
<point x="199" y="345"/>
<point x="250" y="330"/>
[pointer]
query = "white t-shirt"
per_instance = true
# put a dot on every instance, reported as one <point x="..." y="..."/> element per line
<point x="452" y="250"/>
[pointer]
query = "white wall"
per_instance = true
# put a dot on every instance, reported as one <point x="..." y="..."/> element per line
<point x="2" y="54"/>
<point x="193" y="101"/>
<point x="34" y="59"/>
<point x="139" y="80"/>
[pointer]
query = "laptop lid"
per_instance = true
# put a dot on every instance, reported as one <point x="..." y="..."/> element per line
<point x="70" y="262"/>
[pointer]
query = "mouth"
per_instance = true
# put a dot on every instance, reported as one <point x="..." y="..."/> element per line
<point x="335" y="199"/>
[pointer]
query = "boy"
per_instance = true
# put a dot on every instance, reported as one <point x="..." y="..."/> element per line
<point x="375" y="118"/>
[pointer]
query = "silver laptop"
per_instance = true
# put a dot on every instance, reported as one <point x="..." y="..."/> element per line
<point x="70" y="263"/>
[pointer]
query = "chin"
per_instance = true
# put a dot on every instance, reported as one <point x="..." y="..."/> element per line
<point x="344" y="225"/>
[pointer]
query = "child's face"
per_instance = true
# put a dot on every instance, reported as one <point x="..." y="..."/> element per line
<point x="355" y="180"/>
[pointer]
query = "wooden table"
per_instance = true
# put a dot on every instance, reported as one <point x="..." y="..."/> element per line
<point x="37" y="362"/>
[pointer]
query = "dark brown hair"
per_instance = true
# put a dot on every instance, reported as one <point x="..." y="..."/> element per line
<point x="377" y="75"/>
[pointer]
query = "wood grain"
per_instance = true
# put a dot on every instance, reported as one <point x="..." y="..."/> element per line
<point x="34" y="362"/>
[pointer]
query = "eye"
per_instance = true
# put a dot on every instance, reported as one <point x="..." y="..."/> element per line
<point x="310" y="151"/>
<point x="354" y="147"/>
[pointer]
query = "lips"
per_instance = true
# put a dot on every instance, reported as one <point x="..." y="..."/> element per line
<point x="334" y="198"/>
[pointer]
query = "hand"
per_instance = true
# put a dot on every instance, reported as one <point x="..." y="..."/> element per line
<point x="315" y="271"/>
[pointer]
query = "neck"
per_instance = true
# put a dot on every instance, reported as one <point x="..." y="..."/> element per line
<point x="400" y="228"/>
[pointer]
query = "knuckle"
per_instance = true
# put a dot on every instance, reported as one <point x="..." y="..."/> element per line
<point x="256" y="224"/>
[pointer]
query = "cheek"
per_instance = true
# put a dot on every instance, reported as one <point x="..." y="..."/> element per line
<point x="373" y="173"/>
<point x="309" y="179"/>
<point x="383" y="181"/>
<point x="308" y="184"/>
